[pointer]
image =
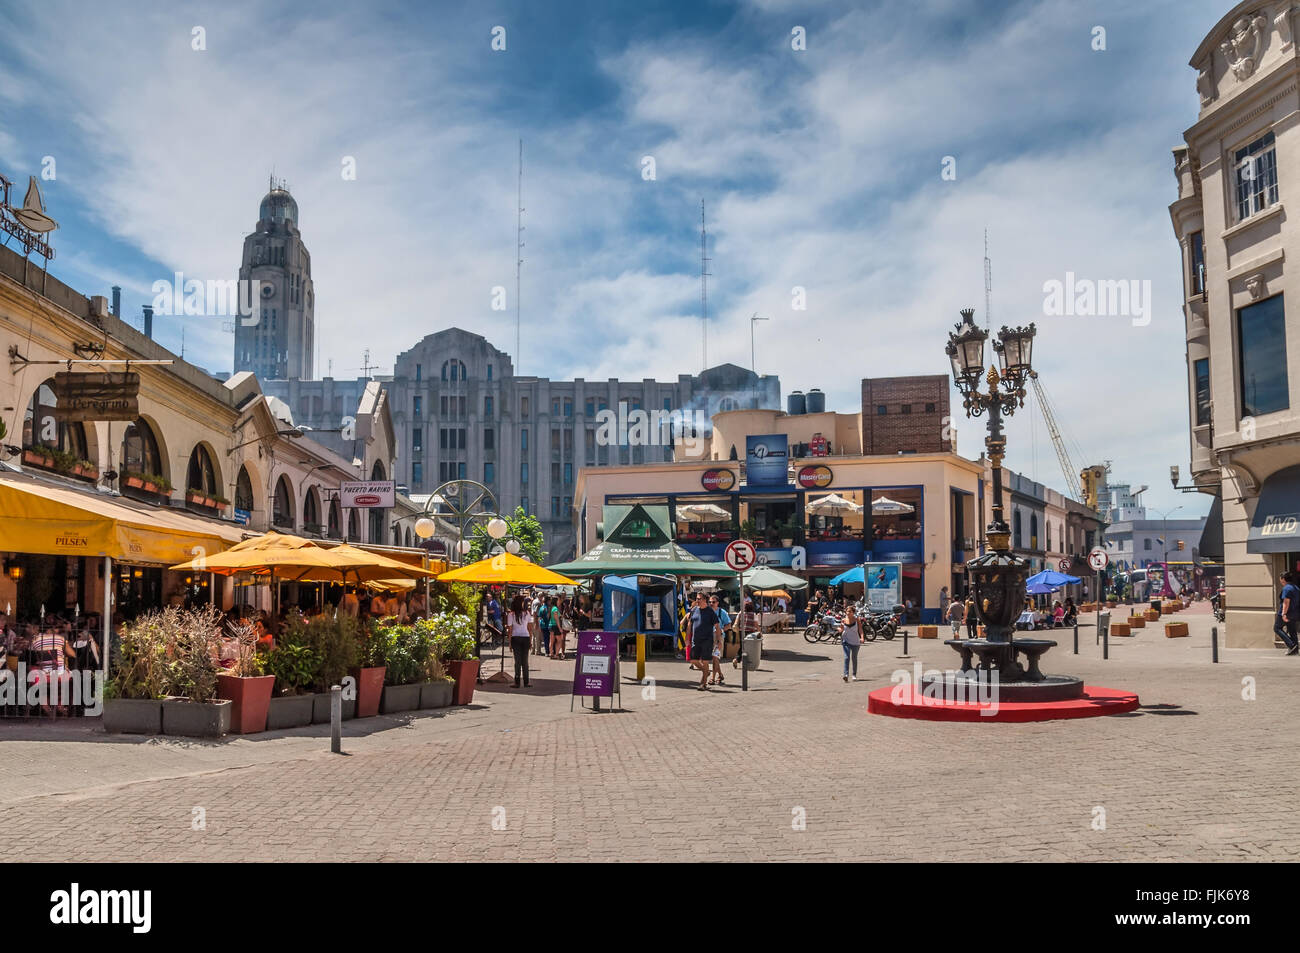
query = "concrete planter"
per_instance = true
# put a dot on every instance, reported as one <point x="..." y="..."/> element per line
<point x="400" y="698"/>
<point x="133" y="716"/>
<point x="1175" y="630"/>
<point x="180" y="716"/>
<point x="436" y="694"/>
<point x="370" y="685"/>
<point x="320" y="708"/>
<point x="289" y="711"/>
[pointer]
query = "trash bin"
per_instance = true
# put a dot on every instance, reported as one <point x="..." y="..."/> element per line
<point x="1155" y="604"/>
<point x="752" y="647"/>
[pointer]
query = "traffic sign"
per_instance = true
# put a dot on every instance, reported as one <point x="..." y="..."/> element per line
<point x="1063" y="565"/>
<point x="1098" y="559"/>
<point x="740" y="555"/>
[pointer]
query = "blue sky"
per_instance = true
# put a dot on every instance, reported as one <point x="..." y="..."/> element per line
<point x="820" y="169"/>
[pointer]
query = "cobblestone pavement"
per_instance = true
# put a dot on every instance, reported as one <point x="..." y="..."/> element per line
<point x="1199" y="773"/>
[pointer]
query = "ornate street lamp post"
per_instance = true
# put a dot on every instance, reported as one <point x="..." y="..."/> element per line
<point x="998" y="576"/>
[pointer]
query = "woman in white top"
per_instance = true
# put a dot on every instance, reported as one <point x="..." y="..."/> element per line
<point x="518" y="622"/>
<point x="851" y="639"/>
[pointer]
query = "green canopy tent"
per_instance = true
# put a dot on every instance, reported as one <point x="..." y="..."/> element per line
<point x="640" y="540"/>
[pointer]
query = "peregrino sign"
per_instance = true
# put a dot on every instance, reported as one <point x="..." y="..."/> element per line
<point x="92" y="396"/>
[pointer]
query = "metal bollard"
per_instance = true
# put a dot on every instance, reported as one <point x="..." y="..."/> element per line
<point x="336" y="719"/>
<point x="904" y="643"/>
<point x="1214" y="643"/>
<point x="744" y="669"/>
<point x="1076" y="638"/>
<point x="1105" y="642"/>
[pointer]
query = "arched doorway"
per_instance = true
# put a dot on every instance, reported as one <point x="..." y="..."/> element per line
<point x="354" y="527"/>
<point x="54" y="444"/>
<point x="282" y="516"/>
<point x="141" y="469"/>
<point x="311" y="521"/>
<point x="332" y="528"/>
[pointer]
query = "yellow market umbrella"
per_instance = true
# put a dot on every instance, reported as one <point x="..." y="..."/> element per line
<point x="254" y="560"/>
<point x="380" y="585"/>
<point x="358" y="565"/>
<point x="506" y="569"/>
<point x="273" y="541"/>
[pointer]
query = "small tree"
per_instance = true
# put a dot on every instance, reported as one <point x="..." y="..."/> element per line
<point x="523" y="526"/>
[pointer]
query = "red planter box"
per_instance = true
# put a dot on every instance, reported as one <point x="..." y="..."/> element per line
<point x="465" y="674"/>
<point x="370" y="688"/>
<point x="249" y="699"/>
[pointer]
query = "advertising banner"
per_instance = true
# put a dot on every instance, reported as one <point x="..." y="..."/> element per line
<point x="884" y="586"/>
<point x="596" y="665"/>
<point x="767" y="458"/>
<point x="371" y="494"/>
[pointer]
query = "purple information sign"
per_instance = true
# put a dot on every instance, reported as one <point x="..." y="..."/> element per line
<point x="593" y="672"/>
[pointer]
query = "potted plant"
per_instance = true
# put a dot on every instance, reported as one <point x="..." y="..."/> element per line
<point x="198" y="497"/>
<point x="38" y="456"/>
<point x="406" y="648"/>
<point x="786" y="533"/>
<point x="437" y="688"/>
<point x="334" y="641"/>
<point x="245" y="685"/>
<point x="454" y="645"/>
<point x="369" y="673"/>
<point x="133" y="693"/>
<point x="193" y="644"/>
<point x="294" y="665"/>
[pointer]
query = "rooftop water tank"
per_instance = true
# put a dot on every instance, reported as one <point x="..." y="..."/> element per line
<point x="794" y="403"/>
<point x="816" y="402"/>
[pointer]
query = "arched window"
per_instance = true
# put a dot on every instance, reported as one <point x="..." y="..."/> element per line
<point x="453" y="370"/>
<point x="377" y="533"/>
<point x="282" y="512"/>
<point x="1033" y="530"/>
<point x="311" y="512"/>
<point x="354" y="527"/>
<point x="244" y="491"/>
<point x="201" y="476"/>
<point x="139" y="456"/>
<point x="332" y="528"/>
<point x="727" y="403"/>
<point x="42" y="427"/>
<point x="1016" y="521"/>
<point x="408" y="536"/>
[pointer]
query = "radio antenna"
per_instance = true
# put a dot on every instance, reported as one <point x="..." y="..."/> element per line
<point x="519" y="258"/>
<point x="704" y="285"/>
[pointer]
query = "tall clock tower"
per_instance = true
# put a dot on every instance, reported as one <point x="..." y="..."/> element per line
<point x="280" y="344"/>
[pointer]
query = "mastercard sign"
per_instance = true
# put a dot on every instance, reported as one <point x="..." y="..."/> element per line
<point x="814" y="478"/>
<point x="718" y="480"/>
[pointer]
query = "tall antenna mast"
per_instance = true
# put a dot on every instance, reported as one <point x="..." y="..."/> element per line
<point x="988" y="283"/>
<point x="704" y="285"/>
<point x="519" y="257"/>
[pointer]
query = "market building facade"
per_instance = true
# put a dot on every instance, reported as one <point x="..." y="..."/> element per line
<point x="1237" y="174"/>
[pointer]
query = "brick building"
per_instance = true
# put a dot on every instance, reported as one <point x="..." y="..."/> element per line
<point x="906" y="415"/>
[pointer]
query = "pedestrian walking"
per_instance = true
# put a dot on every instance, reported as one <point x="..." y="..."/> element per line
<point x="544" y="626"/>
<point x="943" y="602"/>
<point x="724" y="620"/>
<point x="851" y="639"/>
<point x="956" y="616"/>
<point x="1288" y="613"/>
<point x="972" y="619"/>
<point x="520" y="623"/>
<point x="705" y="634"/>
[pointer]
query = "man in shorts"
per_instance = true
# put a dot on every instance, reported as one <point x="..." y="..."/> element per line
<point x="705" y="634"/>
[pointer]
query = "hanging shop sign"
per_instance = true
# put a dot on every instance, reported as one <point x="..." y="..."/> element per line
<point x="83" y="396"/>
<point x="718" y="480"/>
<point x="380" y="494"/>
<point x="815" y="478"/>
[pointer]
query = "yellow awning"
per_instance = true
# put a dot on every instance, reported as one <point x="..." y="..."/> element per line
<point x="42" y="516"/>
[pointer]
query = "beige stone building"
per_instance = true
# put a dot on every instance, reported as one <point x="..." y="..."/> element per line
<point x="1238" y="177"/>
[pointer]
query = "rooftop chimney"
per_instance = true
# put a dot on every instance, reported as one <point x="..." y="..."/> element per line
<point x="117" y="301"/>
<point x="148" y="321"/>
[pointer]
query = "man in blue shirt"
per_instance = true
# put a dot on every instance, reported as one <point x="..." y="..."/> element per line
<point x="705" y="633"/>
<point x="1288" y="613"/>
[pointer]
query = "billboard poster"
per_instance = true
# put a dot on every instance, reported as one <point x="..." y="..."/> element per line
<point x="884" y="585"/>
<point x="371" y="494"/>
<point x="767" y="458"/>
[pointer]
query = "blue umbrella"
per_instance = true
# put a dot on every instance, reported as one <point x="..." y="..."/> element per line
<point x="1039" y="589"/>
<point x="1051" y="579"/>
<point x="851" y="575"/>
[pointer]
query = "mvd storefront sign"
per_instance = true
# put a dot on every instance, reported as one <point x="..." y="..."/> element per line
<point x="595" y="670"/>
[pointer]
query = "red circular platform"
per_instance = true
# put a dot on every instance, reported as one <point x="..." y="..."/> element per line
<point x="899" y="701"/>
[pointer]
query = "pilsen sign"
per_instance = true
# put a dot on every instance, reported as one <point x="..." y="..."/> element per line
<point x="96" y="396"/>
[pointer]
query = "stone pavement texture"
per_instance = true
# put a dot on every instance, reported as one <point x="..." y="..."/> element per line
<point x="1198" y="773"/>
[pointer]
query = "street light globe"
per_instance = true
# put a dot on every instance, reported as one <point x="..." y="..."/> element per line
<point x="497" y="527"/>
<point x="512" y="547"/>
<point x="464" y="546"/>
<point x="526" y="559"/>
<point x="424" y="527"/>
